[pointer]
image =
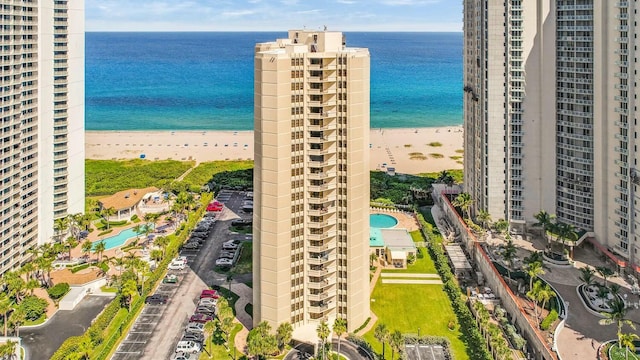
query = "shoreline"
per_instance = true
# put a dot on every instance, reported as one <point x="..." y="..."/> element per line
<point x="408" y="150"/>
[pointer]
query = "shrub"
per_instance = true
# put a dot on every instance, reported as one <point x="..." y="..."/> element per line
<point x="362" y="326"/>
<point x="435" y="144"/>
<point x="546" y="323"/>
<point x="34" y="307"/>
<point x="75" y="269"/>
<point x="134" y="217"/>
<point x="436" y="155"/>
<point x="58" y="291"/>
<point x="105" y="232"/>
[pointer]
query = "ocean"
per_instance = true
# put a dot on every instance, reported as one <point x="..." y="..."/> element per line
<point x="204" y="80"/>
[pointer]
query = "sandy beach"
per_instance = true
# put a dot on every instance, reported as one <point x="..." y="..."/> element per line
<point x="410" y="151"/>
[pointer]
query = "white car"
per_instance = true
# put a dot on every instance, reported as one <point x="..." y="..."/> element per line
<point x="230" y="245"/>
<point x="227" y="254"/>
<point x="176" y="266"/>
<point x="208" y="302"/>
<point x="195" y="327"/>
<point x="179" y="259"/>
<point x="224" y="262"/>
<point x="188" y="347"/>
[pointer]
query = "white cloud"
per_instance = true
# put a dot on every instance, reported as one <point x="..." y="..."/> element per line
<point x="408" y="2"/>
<point x="238" y="13"/>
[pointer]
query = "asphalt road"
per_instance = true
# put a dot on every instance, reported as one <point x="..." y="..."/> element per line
<point x="42" y="342"/>
<point x="302" y="351"/>
<point x="157" y="331"/>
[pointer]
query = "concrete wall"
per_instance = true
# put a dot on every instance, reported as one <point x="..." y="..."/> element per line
<point x="493" y="279"/>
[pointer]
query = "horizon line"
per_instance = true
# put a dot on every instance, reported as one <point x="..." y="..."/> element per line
<point x="264" y="31"/>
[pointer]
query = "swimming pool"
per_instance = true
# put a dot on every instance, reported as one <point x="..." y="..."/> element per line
<point x="116" y="240"/>
<point x="382" y="221"/>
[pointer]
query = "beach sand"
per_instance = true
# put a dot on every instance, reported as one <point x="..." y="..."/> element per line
<point x="407" y="150"/>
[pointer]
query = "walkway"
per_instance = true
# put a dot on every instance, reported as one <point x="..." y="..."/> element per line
<point x="245" y="294"/>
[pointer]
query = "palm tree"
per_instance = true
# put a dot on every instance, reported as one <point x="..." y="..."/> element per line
<point x="284" y="333"/>
<point x="501" y="226"/>
<point x="381" y="333"/>
<point x="18" y="317"/>
<point x="107" y="213"/>
<point x="339" y="328"/>
<point x="544" y="220"/>
<point x="605" y="272"/>
<point x="99" y="249"/>
<point x="162" y="241"/>
<point x="60" y="225"/>
<point x="614" y="289"/>
<point x="226" y="325"/>
<point x="8" y="350"/>
<point x="508" y="254"/>
<point x="209" y="329"/>
<point x="84" y="348"/>
<point x="372" y="259"/>
<point x="138" y="230"/>
<point x="627" y="340"/>
<point x="616" y="315"/>
<point x="545" y="294"/>
<point x="586" y="275"/>
<point x="567" y="232"/>
<point x="397" y="341"/>
<point x="484" y="218"/>
<point x="534" y="270"/>
<point x="86" y="248"/>
<point x="129" y="290"/>
<point x="71" y="243"/>
<point x="446" y="178"/>
<point x="323" y="333"/>
<point x="533" y="296"/>
<point x="31" y="285"/>
<point x="464" y="202"/>
<point x="5" y="307"/>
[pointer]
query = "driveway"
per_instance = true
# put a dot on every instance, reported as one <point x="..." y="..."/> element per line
<point x="302" y="351"/>
<point x="42" y="342"/>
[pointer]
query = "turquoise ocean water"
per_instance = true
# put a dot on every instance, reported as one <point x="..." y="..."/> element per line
<point x="204" y="81"/>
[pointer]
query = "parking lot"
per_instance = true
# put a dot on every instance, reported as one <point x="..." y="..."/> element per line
<point x="425" y="352"/>
<point x="158" y="329"/>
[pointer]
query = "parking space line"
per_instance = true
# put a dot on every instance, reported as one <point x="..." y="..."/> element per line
<point x="141" y="332"/>
<point x="134" y="342"/>
<point x="128" y="352"/>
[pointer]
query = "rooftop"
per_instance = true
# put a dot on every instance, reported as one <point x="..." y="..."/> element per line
<point x="126" y="199"/>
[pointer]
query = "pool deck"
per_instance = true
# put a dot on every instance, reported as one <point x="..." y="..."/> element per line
<point x="405" y="220"/>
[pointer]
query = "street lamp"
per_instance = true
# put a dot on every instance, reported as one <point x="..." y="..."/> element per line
<point x="418" y="331"/>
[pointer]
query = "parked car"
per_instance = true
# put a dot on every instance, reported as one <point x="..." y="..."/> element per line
<point x="242" y="222"/>
<point x="227" y="255"/>
<point x="196" y="239"/>
<point x="194" y="328"/>
<point x="201" y="317"/>
<point x="208" y="302"/>
<point x="206" y="310"/>
<point x="197" y="337"/>
<point x="201" y="233"/>
<point x="170" y="279"/>
<point x="156" y="299"/>
<point x="176" y="265"/>
<point x="178" y="259"/>
<point x="191" y="245"/>
<point x="230" y="245"/>
<point x="224" y="262"/>
<point x="188" y="347"/>
<point x="183" y="356"/>
<point x="209" y="293"/>
<point x="215" y="206"/>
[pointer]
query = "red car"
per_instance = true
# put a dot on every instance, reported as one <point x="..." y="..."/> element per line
<point x="215" y="206"/>
<point x="200" y="318"/>
<point x="209" y="294"/>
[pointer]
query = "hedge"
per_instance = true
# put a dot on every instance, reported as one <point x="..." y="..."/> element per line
<point x="58" y="290"/>
<point x="362" y="326"/>
<point x="75" y="269"/>
<point x="476" y="345"/>
<point x="546" y="323"/>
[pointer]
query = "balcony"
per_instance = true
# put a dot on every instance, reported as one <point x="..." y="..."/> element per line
<point x="322" y="200"/>
<point x="321" y="224"/>
<point x="329" y="125"/>
<point x="322" y="187"/>
<point x="319" y="164"/>
<point x="321" y="272"/>
<point x="321" y="248"/>
<point x="319" y="285"/>
<point x="321" y="175"/>
<point x="322" y="296"/>
<point x="319" y="309"/>
<point x="320" y="237"/>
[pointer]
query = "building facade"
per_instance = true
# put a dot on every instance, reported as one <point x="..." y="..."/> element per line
<point x="549" y="112"/>
<point x="42" y="114"/>
<point x="311" y="181"/>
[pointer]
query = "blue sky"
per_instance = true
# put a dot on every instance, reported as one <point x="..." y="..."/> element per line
<point x="273" y="15"/>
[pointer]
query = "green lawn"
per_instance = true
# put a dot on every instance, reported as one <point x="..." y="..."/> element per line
<point x="219" y="351"/>
<point x="619" y="353"/>
<point x="407" y="307"/>
<point x="245" y="261"/>
<point x="205" y="171"/>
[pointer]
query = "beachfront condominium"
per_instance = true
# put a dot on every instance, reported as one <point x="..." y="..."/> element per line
<point x="311" y="181"/>
<point x="550" y="115"/>
<point x="42" y="114"/>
